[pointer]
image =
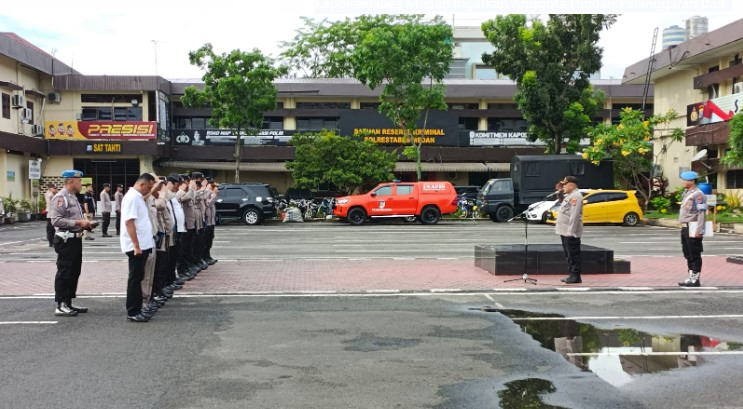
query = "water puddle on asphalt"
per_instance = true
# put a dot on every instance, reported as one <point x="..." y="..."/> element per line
<point x="526" y="393"/>
<point x="617" y="356"/>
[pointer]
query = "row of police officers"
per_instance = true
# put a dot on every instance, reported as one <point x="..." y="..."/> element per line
<point x="167" y="231"/>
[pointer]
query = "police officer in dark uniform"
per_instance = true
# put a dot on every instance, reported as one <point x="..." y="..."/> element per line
<point x="69" y="223"/>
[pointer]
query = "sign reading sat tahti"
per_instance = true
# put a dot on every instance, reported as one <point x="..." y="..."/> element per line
<point x="87" y="130"/>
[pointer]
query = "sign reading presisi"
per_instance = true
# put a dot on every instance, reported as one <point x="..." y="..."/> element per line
<point x="442" y="128"/>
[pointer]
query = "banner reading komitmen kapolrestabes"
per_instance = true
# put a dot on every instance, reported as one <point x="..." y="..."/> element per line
<point x="90" y="130"/>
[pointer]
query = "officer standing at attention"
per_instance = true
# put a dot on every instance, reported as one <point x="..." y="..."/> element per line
<point x="106" y="203"/>
<point x="693" y="209"/>
<point x="569" y="226"/>
<point x="48" y="198"/>
<point x="118" y="197"/>
<point x="69" y="223"/>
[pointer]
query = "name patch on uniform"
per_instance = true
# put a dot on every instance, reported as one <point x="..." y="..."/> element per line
<point x="573" y="201"/>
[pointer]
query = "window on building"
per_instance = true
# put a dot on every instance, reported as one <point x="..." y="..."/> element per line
<point x="468" y="124"/>
<point x="273" y="122"/>
<point x="502" y="106"/>
<point x="108" y="114"/>
<point x="734" y="179"/>
<point x="110" y="98"/>
<point x="458" y="106"/>
<point x="370" y="105"/>
<point x="316" y="124"/>
<point x="323" y="105"/>
<point x="507" y="125"/>
<point x="6" y="105"/>
<point x="30" y="106"/>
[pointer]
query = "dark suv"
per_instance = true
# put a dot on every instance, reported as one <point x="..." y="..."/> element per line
<point x="251" y="202"/>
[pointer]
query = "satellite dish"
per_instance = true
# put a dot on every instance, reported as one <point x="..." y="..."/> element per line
<point x="700" y="155"/>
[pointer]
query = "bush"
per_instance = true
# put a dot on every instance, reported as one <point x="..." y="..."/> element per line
<point x="25" y="206"/>
<point x="661" y="203"/>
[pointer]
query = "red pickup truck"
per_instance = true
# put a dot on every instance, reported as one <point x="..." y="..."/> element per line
<point x="425" y="200"/>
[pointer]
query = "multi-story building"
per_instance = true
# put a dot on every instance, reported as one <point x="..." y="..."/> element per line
<point x="702" y="80"/>
<point x="116" y="127"/>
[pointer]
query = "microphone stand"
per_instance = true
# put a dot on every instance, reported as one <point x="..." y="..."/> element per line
<point x="525" y="275"/>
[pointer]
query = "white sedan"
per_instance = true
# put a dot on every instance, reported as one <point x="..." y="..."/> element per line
<point x="540" y="211"/>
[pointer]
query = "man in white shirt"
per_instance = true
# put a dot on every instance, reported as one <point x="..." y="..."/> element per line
<point x="136" y="242"/>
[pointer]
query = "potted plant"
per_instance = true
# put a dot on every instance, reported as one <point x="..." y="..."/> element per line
<point x="10" y="206"/>
<point x="24" y="210"/>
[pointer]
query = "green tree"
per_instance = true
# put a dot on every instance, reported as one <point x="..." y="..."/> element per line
<point x="405" y="54"/>
<point x="238" y="86"/>
<point x="550" y="62"/>
<point x="629" y="145"/>
<point x="344" y="163"/>
<point x="734" y="157"/>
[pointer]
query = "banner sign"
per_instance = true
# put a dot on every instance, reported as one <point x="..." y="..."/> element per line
<point x="491" y="138"/>
<point x="34" y="169"/>
<point x="197" y="137"/>
<point x="714" y="110"/>
<point x="103" y="148"/>
<point x="442" y="128"/>
<point x="90" y="130"/>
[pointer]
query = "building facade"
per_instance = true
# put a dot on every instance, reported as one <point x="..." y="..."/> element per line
<point x="702" y="80"/>
<point x="115" y="127"/>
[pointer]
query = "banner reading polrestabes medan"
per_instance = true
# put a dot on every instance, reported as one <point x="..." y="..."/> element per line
<point x="441" y="128"/>
<point x="90" y="130"/>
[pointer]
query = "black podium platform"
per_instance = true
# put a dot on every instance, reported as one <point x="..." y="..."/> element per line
<point x="508" y="259"/>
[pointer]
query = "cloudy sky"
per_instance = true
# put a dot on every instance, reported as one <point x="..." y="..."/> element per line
<point x="139" y="37"/>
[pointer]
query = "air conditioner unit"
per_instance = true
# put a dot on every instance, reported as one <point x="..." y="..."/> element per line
<point x="26" y="114"/>
<point x="54" y="97"/>
<point x="18" y="101"/>
<point x="738" y="88"/>
<point x="37" y="130"/>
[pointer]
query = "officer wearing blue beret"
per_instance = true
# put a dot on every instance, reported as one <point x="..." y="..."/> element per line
<point x="69" y="223"/>
<point x="692" y="216"/>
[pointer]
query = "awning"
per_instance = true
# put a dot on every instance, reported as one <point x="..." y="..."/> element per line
<point x="11" y="85"/>
<point x="399" y="166"/>
<point x="244" y="166"/>
<point x="453" y="167"/>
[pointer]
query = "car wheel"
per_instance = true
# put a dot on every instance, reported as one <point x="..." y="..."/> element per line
<point x="430" y="215"/>
<point x="251" y="217"/>
<point x="545" y="216"/>
<point x="503" y="213"/>
<point x="631" y="219"/>
<point x="356" y="216"/>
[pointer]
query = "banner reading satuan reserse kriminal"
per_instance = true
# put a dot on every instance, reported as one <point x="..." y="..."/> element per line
<point x="87" y="130"/>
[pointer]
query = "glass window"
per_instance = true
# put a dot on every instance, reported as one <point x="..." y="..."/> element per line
<point x="612" y="197"/>
<point x="104" y="114"/>
<point x="578" y="168"/>
<point x="235" y="194"/>
<point x="198" y="123"/>
<point x="734" y="179"/>
<point x="532" y="169"/>
<point x="384" y="191"/>
<point x="30" y="105"/>
<point x="89" y="114"/>
<point x="404" y="189"/>
<point x="596" y="198"/>
<point x="501" y="185"/>
<point x="6" y="105"/>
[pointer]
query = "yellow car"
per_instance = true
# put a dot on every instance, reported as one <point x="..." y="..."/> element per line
<point x="607" y="206"/>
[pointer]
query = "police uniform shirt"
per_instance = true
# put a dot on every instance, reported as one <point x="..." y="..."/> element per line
<point x="693" y="209"/>
<point x="118" y="197"/>
<point x="48" y="196"/>
<point x="187" y="201"/>
<point x="64" y="210"/>
<point x="570" y="215"/>
<point x="106" y="202"/>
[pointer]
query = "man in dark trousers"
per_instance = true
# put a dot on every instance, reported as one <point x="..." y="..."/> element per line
<point x="51" y="191"/>
<point x="89" y="208"/>
<point x="67" y="218"/>
<point x="106" y="208"/>
<point x="136" y="242"/>
<point x="118" y="197"/>
<point x="569" y="226"/>
<point x="692" y="216"/>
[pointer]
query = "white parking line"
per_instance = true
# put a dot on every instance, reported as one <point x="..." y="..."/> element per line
<point x="382" y="291"/>
<point x="27" y="322"/>
<point x="638" y="317"/>
<point x="655" y="353"/>
<point x="445" y="290"/>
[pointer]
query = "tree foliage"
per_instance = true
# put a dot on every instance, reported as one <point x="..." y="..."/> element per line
<point x="629" y="145"/>
<point x="405" y="54"/>
<point x="734" y="157"/>
<point x="551" y="63"/>
<point x="325" y="158"/>
<point x="238" y="86"/>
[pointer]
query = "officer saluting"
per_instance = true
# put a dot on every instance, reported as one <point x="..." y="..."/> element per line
<point x="69" y="223"/>
<point x="569" y="226"/>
